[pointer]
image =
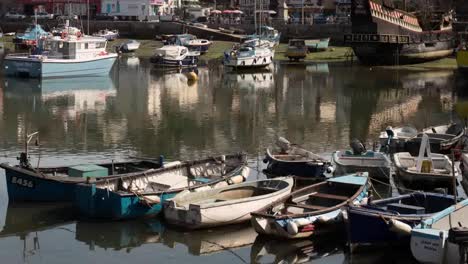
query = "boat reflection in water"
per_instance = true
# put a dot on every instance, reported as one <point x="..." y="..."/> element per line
<point x="116" y="235"/>
<point x="210" y="241"/>
<point x="260" y="79"/>
<point x="267" y="250"/>
<point x="26" y="221"/>
<point x="132" y="234"/>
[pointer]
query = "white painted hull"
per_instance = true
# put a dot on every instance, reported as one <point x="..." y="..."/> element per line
<point x="251" y="62"/>
<point x="220" y="213"/>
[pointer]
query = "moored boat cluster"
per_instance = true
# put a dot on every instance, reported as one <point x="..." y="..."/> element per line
<point x="304" y="195"/>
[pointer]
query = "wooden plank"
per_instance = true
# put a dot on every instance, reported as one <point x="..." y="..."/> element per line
<point x="306" y="206"/>
<point x="330" y="196"/>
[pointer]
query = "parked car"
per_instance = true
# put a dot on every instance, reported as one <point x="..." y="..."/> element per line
<point x="13" y="15"/>
<point x="43" y="15"/>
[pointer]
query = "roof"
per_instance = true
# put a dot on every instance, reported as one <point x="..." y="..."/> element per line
<point x="355" y="179"/>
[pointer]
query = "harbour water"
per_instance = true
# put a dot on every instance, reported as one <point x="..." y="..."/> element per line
<point x="143" y="112"/>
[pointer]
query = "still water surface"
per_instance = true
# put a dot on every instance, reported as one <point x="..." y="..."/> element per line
<point x="140" y="111"/>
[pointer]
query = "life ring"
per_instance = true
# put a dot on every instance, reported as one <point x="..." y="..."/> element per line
<point x="63" y="35"/>
<point x="78" y="34"/>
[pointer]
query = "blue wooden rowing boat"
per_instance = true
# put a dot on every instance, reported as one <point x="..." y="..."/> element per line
<point x="317" y="44"/>
<point x="57" y="184"/>
<point x="390" y="220"/>
<point x="313" y="210"/>
<point x="143" y="195"/>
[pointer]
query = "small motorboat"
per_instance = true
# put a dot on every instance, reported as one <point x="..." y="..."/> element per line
<point x="248" y="55"/>
<point x="313" y="210"/>
<point x="297" y="50"/>
<point x="390" y="220"/>
<point x="226" y="205"/>
<point x="190" y="41"/>
<point x="442" y="138"/>
<point x="442" y="237"/>
<point x="377" y="164"/>
<point x="142" y="194"/>
<point x="107" y="34"/>
<point x="128" y="46"/>
<point x="394" y="139"/>
<point x="425" y="172"/>
<point x="317" y="44"/>
<point x="293" y="160"/>
<point x="175" y="56"/>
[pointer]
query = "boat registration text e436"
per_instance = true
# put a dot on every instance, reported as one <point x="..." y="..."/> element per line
<point x="22" y="182"/>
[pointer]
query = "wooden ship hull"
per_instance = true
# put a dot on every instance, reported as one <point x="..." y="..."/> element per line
<point x="383" y="35"/>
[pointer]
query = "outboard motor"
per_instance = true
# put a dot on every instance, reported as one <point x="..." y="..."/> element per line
<point x="390" y="134"/>
<point x="357" y="147"/>
<point x="283" y="144"/>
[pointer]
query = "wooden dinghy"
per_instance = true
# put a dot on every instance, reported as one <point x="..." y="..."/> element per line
<point x="389" y="221"/>
<point x="312" y="210"/>
<point x="143" y="194"/>
<point x="377" y="164"/>
<point x="226" y="205"/>
<point x="57" y="184"/>
<point x="293" y="160"/>
<point x="427" y="171"/>
<point x="442" y="237"/>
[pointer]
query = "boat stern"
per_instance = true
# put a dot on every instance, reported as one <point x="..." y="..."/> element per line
<point x="428" y="245"/>
<point x="22" y="66"/>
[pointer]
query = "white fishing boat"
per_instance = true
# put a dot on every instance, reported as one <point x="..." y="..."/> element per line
<point x="67" y="56"/>
<point x="248" y="55"/>
<point x="107" y="34"/>
<point x="443" y="237"/>
<point x="225" y="205"/>
<point x="425" y="172"/>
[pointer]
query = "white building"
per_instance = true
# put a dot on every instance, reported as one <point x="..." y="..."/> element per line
<point x="138" y="9"/>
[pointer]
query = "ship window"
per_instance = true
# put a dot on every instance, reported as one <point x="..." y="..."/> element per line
<point x="86" y="46"/>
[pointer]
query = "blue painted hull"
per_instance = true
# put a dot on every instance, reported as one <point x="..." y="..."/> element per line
<point x="44" y="69"/>
<point x="97" y="203"/>
<point x="370" y="229"/>
<point x="25" y="187"/>
<point x="302" y="169"/>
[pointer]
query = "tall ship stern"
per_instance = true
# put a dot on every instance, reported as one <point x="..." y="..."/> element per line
<point x="384" y="34"/>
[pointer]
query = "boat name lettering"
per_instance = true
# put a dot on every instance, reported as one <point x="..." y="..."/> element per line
<point x="22" y="182"/>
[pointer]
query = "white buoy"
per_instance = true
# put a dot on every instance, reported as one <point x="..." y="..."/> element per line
<point x="399" y="227"/>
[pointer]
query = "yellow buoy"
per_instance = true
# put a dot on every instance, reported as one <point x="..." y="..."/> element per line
<point x="192" y="76"/>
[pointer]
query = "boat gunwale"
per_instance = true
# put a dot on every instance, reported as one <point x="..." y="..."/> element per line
<point x="108" y="179"/>
<point x="289" y="180"/>
<point x="259" y="213"/>
<point x="336" y="159"/>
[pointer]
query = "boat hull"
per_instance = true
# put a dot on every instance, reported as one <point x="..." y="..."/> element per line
<point x="375" y="172"/>
<point x="317" y="45"/>
<point x="369" y="229"/>
<point x="249" y="62"/>
<point x="278" y="167"/>
<point x="201" y="48"/>
<point x="217" y="216"/>
<point x="36" y="68"/>
<point x="26" y="187"/>
<point x="99" y="203"/>
<point x="425" y="182"/>
<point x="391" y="54"/>
<point x="189" y="61"/>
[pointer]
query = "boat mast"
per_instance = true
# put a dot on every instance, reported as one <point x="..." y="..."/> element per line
<point x="87" y="16"/>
